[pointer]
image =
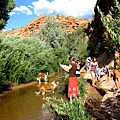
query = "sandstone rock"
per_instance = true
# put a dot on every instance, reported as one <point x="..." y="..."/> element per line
<point x="69" y="23"/>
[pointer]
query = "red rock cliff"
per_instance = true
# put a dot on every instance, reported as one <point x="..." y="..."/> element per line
<point x="70" y="23"/>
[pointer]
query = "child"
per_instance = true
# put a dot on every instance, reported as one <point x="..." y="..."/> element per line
<point x="104" y="70"/>
<point x="87" y="64"/>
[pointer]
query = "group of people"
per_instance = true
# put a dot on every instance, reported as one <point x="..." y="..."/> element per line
<point x="95" y="72"/>
<point x="93" y="69"/>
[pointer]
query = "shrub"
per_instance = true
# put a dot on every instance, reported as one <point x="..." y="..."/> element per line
<point x="63" y="109"/>
<point x="77" y="44"/>
<point x="67" y="110"/>
<point x="22" y="58"/>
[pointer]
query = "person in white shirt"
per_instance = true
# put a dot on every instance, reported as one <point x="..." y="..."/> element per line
<point x="104" y="70"/>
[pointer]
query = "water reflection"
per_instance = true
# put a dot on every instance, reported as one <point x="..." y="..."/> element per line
<point x="23" y="104"/>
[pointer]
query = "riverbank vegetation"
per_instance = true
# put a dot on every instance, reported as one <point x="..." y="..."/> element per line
<point x="22" y="58"/>
<point x="72" y="109"/>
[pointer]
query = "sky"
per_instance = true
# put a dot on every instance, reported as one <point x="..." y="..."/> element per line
<point x="27" y="10"/>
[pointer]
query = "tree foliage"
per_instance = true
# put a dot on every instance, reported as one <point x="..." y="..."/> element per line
<point x="5" y="8"/>
<point x="77" y="44"/>
<point x="112" y="27"/>
<point x="54" y="36"/>
<point x="63" y="44"/>
<point x="21" y="59"/>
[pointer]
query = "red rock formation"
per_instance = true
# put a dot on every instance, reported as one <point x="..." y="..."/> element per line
<point x="70" y="23"/>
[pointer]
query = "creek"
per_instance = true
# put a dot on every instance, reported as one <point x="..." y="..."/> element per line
<point x="24" y="104"/>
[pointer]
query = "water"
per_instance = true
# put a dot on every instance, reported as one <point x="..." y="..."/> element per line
<point x="24" y="104"/>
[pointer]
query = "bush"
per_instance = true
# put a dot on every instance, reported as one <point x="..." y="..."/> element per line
<point x="81" y="86"/>
<point x="63" y="109"/>
<point x="77" y="44"/>
<point x="22" y="58"/>
<point x="67" y="110"/>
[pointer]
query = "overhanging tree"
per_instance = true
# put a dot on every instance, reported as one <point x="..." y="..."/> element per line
<point x="112" y="26"/>
<point x="5" y="8"/>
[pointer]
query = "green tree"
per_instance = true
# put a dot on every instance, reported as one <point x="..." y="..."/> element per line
<point x="77" y="44"/>
<point x="22" y="58"/>
<point x="54" y="37"/>
<point x="63" y="44"/>
<point x="112" y="26"/>
<point x="5" y="8"/>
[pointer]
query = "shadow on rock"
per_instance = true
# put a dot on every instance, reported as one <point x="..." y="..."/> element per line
<point x="112" y="106"/>
<point x="101" y="91"/>
<point x="96" y="111"/>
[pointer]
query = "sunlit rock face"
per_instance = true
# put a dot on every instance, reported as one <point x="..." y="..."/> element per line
<point x="69" y="23"/>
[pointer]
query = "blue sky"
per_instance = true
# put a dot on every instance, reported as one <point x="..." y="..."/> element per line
<point x="26" y="10"/>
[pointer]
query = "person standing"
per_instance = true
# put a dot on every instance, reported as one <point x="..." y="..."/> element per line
<point x="115" y="74"/>
<point x="93" y="66"/>
<point x="72" y="80"/>
<point x="78" y="63"/>
<point x="116" y="78"/>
